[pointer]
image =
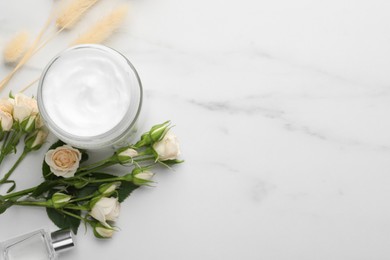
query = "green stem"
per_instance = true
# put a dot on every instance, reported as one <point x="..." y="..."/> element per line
<point x="18" y="136"/>
<point x="33" y="203"/>
<point x="76" y="207"/>
<point x="104" y="164"/>
<point x="9" y="145"/>
<point x="106" y="180"/>
<point x="144" y="159"/>
<point x="7" y="149"/>
<point x="5" y="140"/>
<point x="2" y="155"/>
<point x="81" y="173"/>
<point x="73" y="215"/>
<point x="97" y="164"/>
<point x="84" y="198"/>
<point x="8" y="174"/>
<point x="19" y="193"/>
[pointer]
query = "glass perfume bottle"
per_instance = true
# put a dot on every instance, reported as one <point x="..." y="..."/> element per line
<point x="37" y="245"/>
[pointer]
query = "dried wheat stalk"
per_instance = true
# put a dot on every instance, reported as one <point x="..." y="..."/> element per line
<point x="72" y="13"/>
<point x="68" y="17"/>
<point x="16" y="47"/>
<point x="27" y="54"/>
<point x="103" y="28"/>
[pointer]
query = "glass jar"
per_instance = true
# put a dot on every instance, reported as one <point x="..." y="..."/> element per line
<point x="90" y="97"/>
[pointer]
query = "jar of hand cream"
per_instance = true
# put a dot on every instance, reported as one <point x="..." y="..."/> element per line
<point x="90" y="97"/>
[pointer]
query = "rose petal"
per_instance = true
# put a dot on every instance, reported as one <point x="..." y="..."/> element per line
<point x="97" y="214"/>
<point x="105" y="232"/>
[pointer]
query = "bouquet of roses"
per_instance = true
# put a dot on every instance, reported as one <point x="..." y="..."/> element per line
<point x="74" y="191"/>
<point x="19" y="117"/>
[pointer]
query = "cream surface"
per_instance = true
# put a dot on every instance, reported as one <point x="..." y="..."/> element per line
<point x="86" y="91"/>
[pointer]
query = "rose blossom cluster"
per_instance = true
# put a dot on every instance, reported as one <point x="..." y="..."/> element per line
<point x="19" y="108"/>
<point x="81" y="192"/>
<point x="19" y="117"/>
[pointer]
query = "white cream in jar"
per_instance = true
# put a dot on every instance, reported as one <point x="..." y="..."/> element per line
<point x="90" y="96"/>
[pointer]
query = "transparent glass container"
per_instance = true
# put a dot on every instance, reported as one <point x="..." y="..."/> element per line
<point x="80" y="62"/>
<point x="37" y="245"/>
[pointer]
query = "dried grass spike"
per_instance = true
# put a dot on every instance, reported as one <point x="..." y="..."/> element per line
<point x="73" y="12"/>
<point x="104" y="28"/>
<point x="16" y="47"/>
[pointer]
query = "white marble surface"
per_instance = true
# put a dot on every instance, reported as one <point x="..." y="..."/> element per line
<point x="282" y="108"/>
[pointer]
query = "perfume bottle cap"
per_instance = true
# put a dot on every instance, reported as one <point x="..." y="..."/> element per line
<point x="62" y="239"/>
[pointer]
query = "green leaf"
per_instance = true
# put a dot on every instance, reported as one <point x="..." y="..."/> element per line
<point x="86" y="191"/>
<point x="13" y="186"/>
<point x="79" y="184"/>
<point x="92" y="187"/>
<point x="44" y="187"/>
<point x="84" y="156"/>
<point x="5" y="205"/>
<point x="64" y="221"/>
<point x="46" y="171"/>
<point x="56" y="144"/>
<point x="125" y="190"/>
<point x="100" y="175"/>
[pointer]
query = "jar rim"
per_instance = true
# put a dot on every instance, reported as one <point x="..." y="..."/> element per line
<point x="109" y="137"/>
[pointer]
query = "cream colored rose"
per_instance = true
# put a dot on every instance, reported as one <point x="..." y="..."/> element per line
<point x="6" y="109"/>
<point x="7" y="105"/>
<point x="145" y="175"/>
<point x="39" y="122"/>
<point x="127" y="155"/>
<point x="106" y="209"/>
<point x="60" y="199"/>
<point x="142" y="177"/>
<point x="104" y="232"/>
<point x="168" y="148"/>
<point x="40" y="138"/>
<point x="63" y="161"/>
<point x="109" y="188"/>
<point x="24" y="107"/>
<point x="6" y="120"/>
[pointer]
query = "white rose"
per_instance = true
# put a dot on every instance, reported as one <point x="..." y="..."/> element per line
<point x="127" y="155"/>
<point x="168" y="148"/>
<point x="24" y="107"/>
<point x="39" y="122"/>
<point x="6" y="120"/>
<point x="104" y="232"/>
<point x="63" y="161"/>
<point x="142" y="177"/>
<point x="40" y="138"/>
<point x="60" y="199"/>
<point x="106" y="209"/>
<point x="7" y="105"/>
<point x="108" y="188"/>
<point x="6" y="109"/>
<point x="129" y="152"/>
